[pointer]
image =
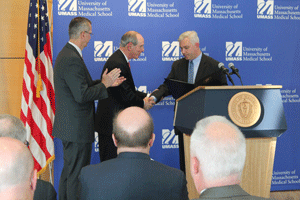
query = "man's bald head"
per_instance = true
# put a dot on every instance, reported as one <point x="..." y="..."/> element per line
<point x="133" y="127"/>
<point x="16" y="166"/>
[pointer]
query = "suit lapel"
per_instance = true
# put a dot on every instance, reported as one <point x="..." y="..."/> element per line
<point x="200" y="71"/>
<point x="90" y="80"/>
<point x="127" y="72"/>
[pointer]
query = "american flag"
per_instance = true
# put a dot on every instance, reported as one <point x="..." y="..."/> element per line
<point x="38" y="98"/>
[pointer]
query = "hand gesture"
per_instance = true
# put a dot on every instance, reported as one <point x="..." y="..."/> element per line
<point x="108" y="79"/>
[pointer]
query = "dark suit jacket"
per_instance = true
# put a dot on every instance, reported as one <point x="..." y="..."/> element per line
<point x="132" y="176"/>
<point x="120" y="97"/>
<point x="227" y="192"/>
<point x="44" y="190"/>
<point x="75" y="93"/>
<point x="208" y="74"/>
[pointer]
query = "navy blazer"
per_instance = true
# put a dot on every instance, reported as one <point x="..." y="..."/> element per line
<point x="132" y="176"/>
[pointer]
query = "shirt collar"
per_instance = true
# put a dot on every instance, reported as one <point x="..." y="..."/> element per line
<point x="124" y="56"/>
<point x="76" y="47"/>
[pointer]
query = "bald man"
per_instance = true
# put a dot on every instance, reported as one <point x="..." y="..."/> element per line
<point x="18" y="176"/>
<point x="218" y="153"/>
<point x="132" y="175"/>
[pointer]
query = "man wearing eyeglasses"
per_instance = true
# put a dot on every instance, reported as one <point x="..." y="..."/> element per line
<point x="75" y="93"/>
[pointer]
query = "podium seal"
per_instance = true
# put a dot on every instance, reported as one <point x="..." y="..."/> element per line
<point x="244" y="109"/>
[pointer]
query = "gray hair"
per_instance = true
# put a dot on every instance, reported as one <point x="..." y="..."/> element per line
<point x="218" y="159"/>
<point x="192" y="35"/>
<point x="128" y="37"/>
<point x="77" y="26"/>
<point x="16" y="168"/>
<point x="13" y="127"/>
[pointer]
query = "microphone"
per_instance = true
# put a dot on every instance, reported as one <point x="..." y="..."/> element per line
<point x="225" y="71"/>
<point x="234" y="70"/>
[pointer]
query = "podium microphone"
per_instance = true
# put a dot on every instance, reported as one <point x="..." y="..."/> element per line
<point x="225" y="71"/>
<point x="235" y="71"/>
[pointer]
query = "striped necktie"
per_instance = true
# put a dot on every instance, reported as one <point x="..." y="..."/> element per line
<point x="191" y="72"/>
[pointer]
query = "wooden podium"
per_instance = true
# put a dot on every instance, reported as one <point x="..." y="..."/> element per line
<point x="260" y="137"/>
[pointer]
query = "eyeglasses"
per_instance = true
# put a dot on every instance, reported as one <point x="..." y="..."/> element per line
<point x="89" y="33"/>
<point x="26" y="143"/>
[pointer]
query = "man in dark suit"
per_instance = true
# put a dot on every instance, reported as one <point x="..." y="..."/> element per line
<point x="13" y="127"/>
<point x="131" y="46"/>
<point x="195" y="68"/>
<point x="217" y="158"/>
<point x="75" y="94"/>
<point x="132" y="175"/>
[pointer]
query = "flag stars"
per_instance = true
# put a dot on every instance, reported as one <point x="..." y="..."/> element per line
<point x="36" y="5"/>
<point x="34" y="36"/>
<point x="35" y="26"/>
<point x="36" y="15"/>
<point x="43" y="8"/>
<point x="42" y="18"/>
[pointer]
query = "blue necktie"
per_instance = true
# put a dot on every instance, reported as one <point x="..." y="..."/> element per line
<point x="191" y="72"/>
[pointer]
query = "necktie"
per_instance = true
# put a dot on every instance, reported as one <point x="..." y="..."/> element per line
<point x="191" y="72"/>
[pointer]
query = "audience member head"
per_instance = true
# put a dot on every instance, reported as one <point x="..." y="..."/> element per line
<point x="18" y="177"/>
<point x="80" y="31"/>
<point x="133" y="130"/>
<point x="189" y="45"/>
<point x="13" y="127"/>
<point x="218" y="153"/>
<point x="132" y="44"/>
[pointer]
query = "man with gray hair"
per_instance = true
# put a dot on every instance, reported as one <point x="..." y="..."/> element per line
<point x="13" y="127"/>
<point x="75" y="93"/>
<point x="195" y="68"/>
<point x="121" y="97"/>
<point x="132" y="175"/>
<point x="217" y="158"/>
<point x="17" y="174"/>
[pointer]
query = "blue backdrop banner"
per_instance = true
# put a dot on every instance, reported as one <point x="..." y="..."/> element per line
<point x="261" y="38"/>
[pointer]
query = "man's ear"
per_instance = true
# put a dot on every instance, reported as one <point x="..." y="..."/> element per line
<point x="195" y="165"/>
<point x="152" y="140"/>
<point x="197" y="44"/>
<point x="33" y="180"/>
<point x="114" y="139"/>
<point x="129" y="46"/>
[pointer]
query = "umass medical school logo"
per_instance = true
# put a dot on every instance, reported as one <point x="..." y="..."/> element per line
<point x="265" y="9"/>
<point x="169" y="139"/>
<point x="67" y="7"/>
<point x="170" y="51"/>
<point x="137" y="8"/>
<point x="102" y="51"/>
<point x="234" y="51"/>
<point x="202" y="8"/>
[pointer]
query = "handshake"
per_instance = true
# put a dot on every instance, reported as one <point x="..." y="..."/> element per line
<point x="148" y="103"/>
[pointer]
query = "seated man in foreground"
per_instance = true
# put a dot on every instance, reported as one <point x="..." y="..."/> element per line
<point x="132" y="175"/>
<point x="218" y="153"/>
<point x="17" y="175"/>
